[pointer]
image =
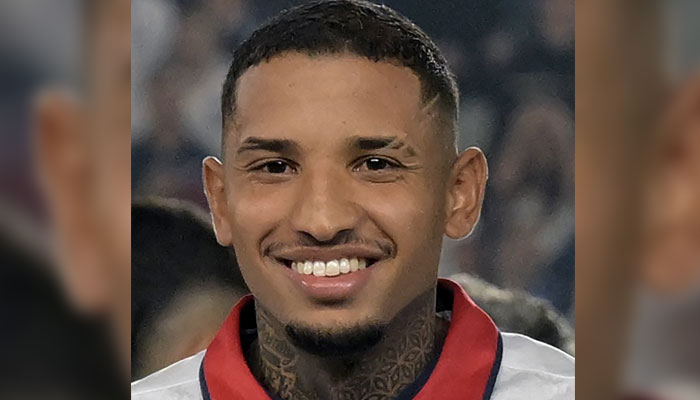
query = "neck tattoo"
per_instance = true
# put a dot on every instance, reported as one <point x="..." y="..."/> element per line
<point x="410" y="342"/>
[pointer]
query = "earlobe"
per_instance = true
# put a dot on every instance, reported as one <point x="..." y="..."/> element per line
<point x="214" y="188"/>
<point x="466" y="193"/>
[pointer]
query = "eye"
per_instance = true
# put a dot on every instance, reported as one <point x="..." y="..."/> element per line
<point x="373" y="164"/>
<point x="376" y="164"/>
<point x="275" y="167"/>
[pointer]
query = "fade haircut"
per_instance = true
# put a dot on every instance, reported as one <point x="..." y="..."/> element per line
<point x="359" y="27"/>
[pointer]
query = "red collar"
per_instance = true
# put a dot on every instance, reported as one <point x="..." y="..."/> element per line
<point x="466" y="369"/>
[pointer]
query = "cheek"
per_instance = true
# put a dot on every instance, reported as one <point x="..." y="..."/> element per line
<point x="254" y="211"/>
<point x="411" y="213"/>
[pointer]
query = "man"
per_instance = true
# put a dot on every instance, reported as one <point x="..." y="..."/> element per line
<point x="663" y="359"/>
<point x="183" y="283"/>
<point x="339" y="179"/>
<point x="82" y="152"/>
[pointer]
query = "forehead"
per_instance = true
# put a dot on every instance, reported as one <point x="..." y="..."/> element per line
<point x="296" y="93"/>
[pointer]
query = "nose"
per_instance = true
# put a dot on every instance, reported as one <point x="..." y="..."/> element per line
<point x="324" y="208"/>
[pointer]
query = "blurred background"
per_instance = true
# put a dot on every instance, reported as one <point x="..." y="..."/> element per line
<point x="637" y="197"/>
<point x="514" y="62"/>
<point x="64" y="199"/>
<point x="31" y="58"/>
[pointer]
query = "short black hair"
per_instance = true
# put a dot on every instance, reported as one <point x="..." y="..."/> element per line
<point x="370" y="30"/>
<point x="173" y="249"/>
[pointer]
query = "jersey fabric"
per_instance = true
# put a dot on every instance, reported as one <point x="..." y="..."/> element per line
<point x="477" y="362"/>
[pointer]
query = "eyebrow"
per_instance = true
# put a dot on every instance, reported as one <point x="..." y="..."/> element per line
<point x="253" y="143"/>
<point x="381" y="142"/>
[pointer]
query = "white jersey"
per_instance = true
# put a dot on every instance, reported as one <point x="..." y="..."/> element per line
<point x="529" y="370"/>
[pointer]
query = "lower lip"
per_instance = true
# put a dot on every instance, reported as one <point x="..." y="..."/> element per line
<point x="331" y="288"/>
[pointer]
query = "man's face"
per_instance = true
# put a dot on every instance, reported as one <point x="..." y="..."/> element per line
<point x="333" y="160"/>
<point x="671" y="251"/>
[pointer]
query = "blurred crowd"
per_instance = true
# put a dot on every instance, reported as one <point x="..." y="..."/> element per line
<point x="514" y="63"/>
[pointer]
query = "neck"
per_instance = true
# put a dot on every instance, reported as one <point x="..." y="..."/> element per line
<point x="410" y="342"/>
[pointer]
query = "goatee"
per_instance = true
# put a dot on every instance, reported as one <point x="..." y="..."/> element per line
<point x="335" y="342"/>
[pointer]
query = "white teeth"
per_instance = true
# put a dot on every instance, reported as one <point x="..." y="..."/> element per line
<point x="329" y="268"/>
<point x="308" y="268"/>
<point x="319" y="268"/>
<point x="362" y="264"/>
<point x="344" y="266"/>
<point x="332" y="268"/>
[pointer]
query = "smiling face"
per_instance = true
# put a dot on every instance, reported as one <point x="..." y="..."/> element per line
<point x="336" y="189"/>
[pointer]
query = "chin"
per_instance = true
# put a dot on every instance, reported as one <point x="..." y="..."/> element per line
<point x="336" y="340"/>
<point x="338" y="316"/>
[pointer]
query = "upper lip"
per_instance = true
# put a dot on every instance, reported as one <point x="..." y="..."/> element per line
<point x="329" y="253"/>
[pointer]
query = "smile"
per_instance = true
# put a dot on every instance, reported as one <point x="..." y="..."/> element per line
<point x="331" y="267"/>
<point x="330" y="274"/>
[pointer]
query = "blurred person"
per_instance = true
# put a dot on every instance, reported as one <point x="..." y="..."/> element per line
<point x="519" y="312"/>
<point x="168" y="146"/>
<point x="82" y="152"/>
<point x="664" y="357"/>
<point x="183" y="283"/>
<point x="340" y="177"/>
<point x="49" y="351"/>
<point x="671" y="250"/>
<point x="617" y="83"/>
<point x="176" y="93"/>
<point x="534" y="182"/>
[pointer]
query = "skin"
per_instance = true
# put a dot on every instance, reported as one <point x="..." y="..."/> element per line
<point x="363" y="161"/>
<point x="671" y="218"/>
<point x="83" y="146"/>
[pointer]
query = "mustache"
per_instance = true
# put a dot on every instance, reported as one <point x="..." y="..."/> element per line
<point x="344" y="238"/>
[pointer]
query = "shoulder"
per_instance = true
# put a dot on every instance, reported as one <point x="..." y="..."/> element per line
<point x="179" y="381"/>
<point x="532" y="368"/>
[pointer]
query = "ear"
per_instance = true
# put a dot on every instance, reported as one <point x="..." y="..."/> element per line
<point x="62" y="167"/>
<point x="214" y="188"/>
<point x="466" y="193"/>
<point x="58" y="144"/>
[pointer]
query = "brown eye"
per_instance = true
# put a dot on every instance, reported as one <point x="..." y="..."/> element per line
<point x="376" y="164"/>
<point x="378" y="169"/>
<point x="275" y="167"/>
